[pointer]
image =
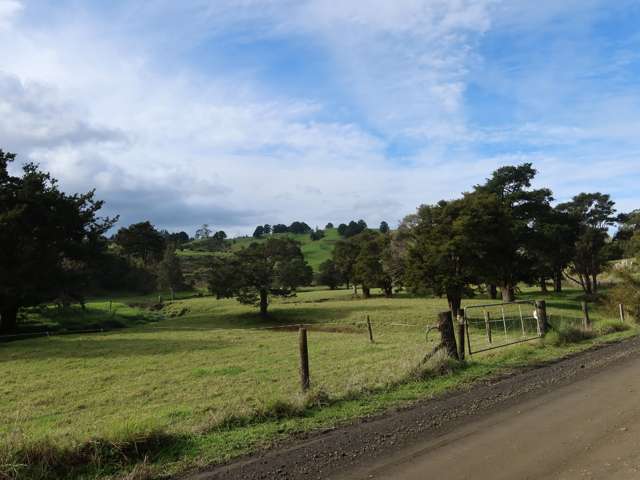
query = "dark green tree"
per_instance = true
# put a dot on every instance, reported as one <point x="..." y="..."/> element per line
<point x="170" y="272"/>
<point x="267" y="229"/>
<point x="328" y="226"/>
<point x="594" y="214"/>
<point x="453" y="243"/>
<point x="512" y="186"/>
<point x="369" y="266"/>
<point x="342" y="229"/>
<point x="203" y="232"/>
<point x="275" y="267"/>
<point x="141" y="241"/>
<point x="49" y="241"/>
<point x="329" y="274"/>
<point x="258" y="232"/>
<point x="345" y="254"/>
<point x="279" y="228"/>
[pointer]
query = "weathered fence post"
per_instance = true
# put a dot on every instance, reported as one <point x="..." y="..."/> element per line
<point x="586" y="321"/>
<point x="541" y="311"/>
<point x="487" y="325"/>
<point x="621" y="308"/>
<point x="370" y="329"/>
<point x="447" y="335"/>
<point x="304" y="359"/>
<point x="461" y="335"/>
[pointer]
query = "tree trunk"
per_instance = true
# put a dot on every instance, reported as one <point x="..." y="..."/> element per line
<point x="355" y="289"/>
<point x="493" y="292"/>
<point x="507" y="293"/>
<point x="8" y="319"/>
<point x="264" y="302"/>
<point x="595" y="283"/>
<point x="447" y="335"/>
<point x="366" y="292"/>
<point x="454" y="304"/>
<point x="543" y="285"/>
<point x="586" y="284"/>
<point x="557" y="281"/>
<point x="388" y="291"/>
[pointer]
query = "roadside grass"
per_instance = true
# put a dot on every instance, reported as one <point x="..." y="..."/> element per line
<point x="208" y="382"/>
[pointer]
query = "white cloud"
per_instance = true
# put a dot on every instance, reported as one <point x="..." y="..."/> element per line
<point x="9" y="9"/>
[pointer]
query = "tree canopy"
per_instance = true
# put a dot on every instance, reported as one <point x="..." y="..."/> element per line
<point x="49" y="240"/>
<point x="275" y="267"/>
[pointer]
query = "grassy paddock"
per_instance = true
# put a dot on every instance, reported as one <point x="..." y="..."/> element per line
<point x="209" y="381"/>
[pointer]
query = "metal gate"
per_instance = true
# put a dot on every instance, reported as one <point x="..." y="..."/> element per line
<point x="497" y="325"/>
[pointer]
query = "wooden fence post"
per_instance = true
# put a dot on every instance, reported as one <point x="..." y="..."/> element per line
<point x="304" y="359"/>
<point x="541" y="310"/>
<point x="586" y="321"/>
<point x="447" y="335"/>
<point x="487" y="325"/>
<point x="461" y="346"/>
<point x="621" y="308"/>
<point x="370" y="329"/>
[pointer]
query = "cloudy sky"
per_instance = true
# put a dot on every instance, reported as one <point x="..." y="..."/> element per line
<point x="239" y="112"/>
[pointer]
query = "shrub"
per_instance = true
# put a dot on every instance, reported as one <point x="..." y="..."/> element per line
<point x="568" y="334"/>
<point x="437" y="365"/>
<point x="627" y="292"/>
<point x="605" y="328"/>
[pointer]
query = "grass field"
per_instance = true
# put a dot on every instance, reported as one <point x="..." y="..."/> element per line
<point x="207" y="381"/>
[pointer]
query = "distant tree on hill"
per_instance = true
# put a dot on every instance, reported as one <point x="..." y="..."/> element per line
<point x="342" y="229"/>
<point x="384" y="227"/>
<point x="275" y="267"/>
<point x="267" y="229"/>
<point x="220" y="235"/>
<point x="352" y="229"/>
<point x="203" y="232"/>
<point x="299" y="228"/>
<point x="258" y="232"/>
<point x="316" y="234"/>
<point x="49" y="241"/>
<point x="328" y="225"/>
<point x="169" y="272"/>
<point x="279" y="228"/>
<point x="329" y="274"/>
<point x="142" y="241"/>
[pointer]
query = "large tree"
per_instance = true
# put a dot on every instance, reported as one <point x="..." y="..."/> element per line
<point x="369" y="267"/>
<point x="329" y="274"/>
<point x="345" y="254"/>
<point x="49" y="240"/>
<point x="512" y="186"/>
<point x="453" y="244"/>
<point x="594" y="214"/>
<point x="275" y="267"/>
<point x="141" y="241"/>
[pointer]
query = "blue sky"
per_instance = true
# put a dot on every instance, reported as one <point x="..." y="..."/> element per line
<point x="239" y="112"/>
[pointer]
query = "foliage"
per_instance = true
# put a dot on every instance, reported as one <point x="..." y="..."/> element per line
<point x="299" y="227"/>
<point x="626" y="291"/>
<point x="316" y="234"/>
<point x="368" y="268"/>
<point x="593" y="213"/>
<point x="141" y="241"/>
<point x="329" y="274"/>
<point x="526" y="207"/>
<point x="352" y="229"/>
<point x="203" y="232"/>
<point x="170" y="272"/>
<point x="274" y="267"/>
<point x="384" y="227"/>
<point x="49" y="240"/>
<point x="454" y="243"/>
<point x="328" y="226"/>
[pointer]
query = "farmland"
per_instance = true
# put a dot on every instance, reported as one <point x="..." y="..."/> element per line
<point x="203" y="380"/>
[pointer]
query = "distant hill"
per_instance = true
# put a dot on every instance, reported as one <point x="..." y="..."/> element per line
<point x="315" y="251"/>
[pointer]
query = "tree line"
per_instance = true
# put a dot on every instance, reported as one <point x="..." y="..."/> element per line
<point x="54" y="247"/>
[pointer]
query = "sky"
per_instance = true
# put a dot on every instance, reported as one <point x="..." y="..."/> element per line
<point x="242" y="112"/>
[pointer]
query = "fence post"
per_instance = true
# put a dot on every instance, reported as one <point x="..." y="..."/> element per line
<point x="304" y="359"/>
<point x="447" y="335"/>
<point x="621" y="308"/>
<point x="586" y="321"/>
<point x="487" y="325"/>
<point x="541" y="310"/>
<point x="370" y="329"/>
<point x="461" y="340"/>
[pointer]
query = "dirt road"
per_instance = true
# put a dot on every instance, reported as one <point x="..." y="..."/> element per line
<point x="575" y="419"/>
<point x="589" y="429"/>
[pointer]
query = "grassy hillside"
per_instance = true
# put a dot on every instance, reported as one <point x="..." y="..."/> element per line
<point x="208" y="382"/>
<point x="315" y="252"/>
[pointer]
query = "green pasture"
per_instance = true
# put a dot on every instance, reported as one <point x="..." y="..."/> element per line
<point x="210" y="380"/>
